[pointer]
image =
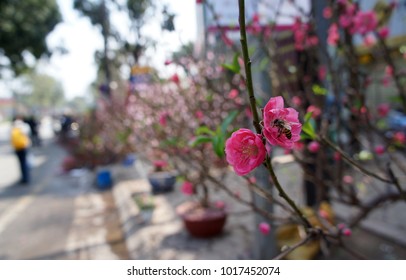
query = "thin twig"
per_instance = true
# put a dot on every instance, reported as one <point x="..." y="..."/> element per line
<point x="294" y="247"/>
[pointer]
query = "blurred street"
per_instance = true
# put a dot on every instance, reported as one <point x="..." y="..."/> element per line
<point x="55" y="217"/>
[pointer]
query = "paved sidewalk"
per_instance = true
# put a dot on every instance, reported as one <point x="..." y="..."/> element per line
<point x="163" y="236"/>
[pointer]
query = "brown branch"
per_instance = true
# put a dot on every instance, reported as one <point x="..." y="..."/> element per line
<point x="372" y="205"/>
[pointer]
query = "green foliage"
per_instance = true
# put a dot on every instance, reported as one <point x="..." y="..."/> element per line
<point x="24" y="25"/>
<point x="137" y="8"/>
<point x="234" y="66"/>
<point x="217" y="137"/>
<point x="318" y="90"/>
<point x="308" y="127"/>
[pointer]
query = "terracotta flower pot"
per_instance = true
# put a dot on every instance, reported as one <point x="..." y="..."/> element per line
<point x="202" y="222"/>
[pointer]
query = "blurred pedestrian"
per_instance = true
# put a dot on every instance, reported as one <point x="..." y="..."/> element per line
<point x="33" y="124"/>
<point x="21" y="143"/>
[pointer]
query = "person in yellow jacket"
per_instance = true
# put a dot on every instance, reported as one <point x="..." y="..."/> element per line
<point x="21" y="142"/>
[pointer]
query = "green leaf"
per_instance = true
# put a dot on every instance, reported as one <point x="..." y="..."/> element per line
<point x="219" y="145"/>
<point x="309" y="130"/>
<point x="228" y="120"/>
<point x="204" y="130"/>
<point x="200" y="140"/>
<point x="318" y="90"/>
<point x="234" y="66"/>
<point x="308" y="116"/>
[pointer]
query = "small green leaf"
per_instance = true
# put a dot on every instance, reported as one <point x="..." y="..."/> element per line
<point x="204" y="130"/>
<point x="309" y="130"/>
<point x="219" y="145"/>
<point x="234" y="66"/>
<point x="318" y="90"/>
<point x="308" y="116"/>
<point x="200" y="140"/>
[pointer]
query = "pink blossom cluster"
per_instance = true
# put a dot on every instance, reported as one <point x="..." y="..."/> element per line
<point x="301" y="36"/>
<point x="246" y="150"/>
<point x="355" y="21"/>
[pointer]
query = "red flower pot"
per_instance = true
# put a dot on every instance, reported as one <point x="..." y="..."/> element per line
<point x="200" y="221"/>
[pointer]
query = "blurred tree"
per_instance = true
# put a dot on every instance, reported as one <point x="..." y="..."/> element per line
<point x="42" y="91"/>
<point x="24" y="26"/>
<point x="98" y="14"/>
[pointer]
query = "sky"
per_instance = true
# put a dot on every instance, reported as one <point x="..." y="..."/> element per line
<point x="77" y="70"/>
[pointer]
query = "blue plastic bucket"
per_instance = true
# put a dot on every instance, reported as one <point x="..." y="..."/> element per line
<point x="104" y="180"/>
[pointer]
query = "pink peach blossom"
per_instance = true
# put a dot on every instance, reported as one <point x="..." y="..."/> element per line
<point x="252" y="180"/>
<point x="337" y="156"/>
<point x="199" y="115"/>
<point x="383" y="109"/>
<point x="323" y="214"/>
<point x="365" y="22"/>
<point x="264" y="228"/>
<point x="345" y="20"/>
<point x="347" y="179"/>
<point x="344" y="229"/>
<point x="277" y="120"/>
<point x="386" y="81"/>
<point x="316" y="112"/>
<point x="220" y="204"/>
<point x="322" y="72"/>
<point x="389" y="70"/>
<point x="327" y="12"/>
<point x="347" y="232"/>
<point x="341" y="226"/>
<point x="379" y="149"/>
<point x="244" y="151"/>
<point x="333" y="35"/>
<point x="369" y="40"/>
<point x="233" y="93"/>
<point x="175" y="78"/>
<point x="313" y="146"/>
<point x="160" y="163"/>
<point x="162" y="119"/>
<point x="167" y="62"/>
<point x="399" y="137"/>
<point x="383" y="32"/>
<point x="187" y="188"/>
<point x="296" y="100"/>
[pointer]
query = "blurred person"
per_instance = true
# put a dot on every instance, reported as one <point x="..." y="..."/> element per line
<point x="66" y="121"/>
<point x="33" y="124"/>
<point x="21" y="143"/>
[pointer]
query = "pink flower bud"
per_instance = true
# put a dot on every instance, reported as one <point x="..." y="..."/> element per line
<point x="220" y="204"/>
<point x="264" y="228"/>
<point x="379" y="149"/>
<point x="313" y="147"/>
<point x="233" y="94"/>
<point x="383" y="109"/>
<point x="383" y="32"/>
<point x="252" y="180"/>
<point x="337" y="156"/>
<point x="327" y="12"/>
<point x="347" y="179"/>
<point x="187" y="188"/>
<point x="347" y="232"/>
